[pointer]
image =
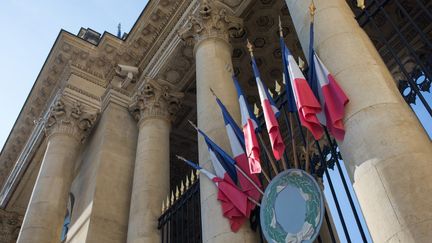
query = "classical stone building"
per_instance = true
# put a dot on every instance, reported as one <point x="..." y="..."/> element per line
<point x="91" y="155"/>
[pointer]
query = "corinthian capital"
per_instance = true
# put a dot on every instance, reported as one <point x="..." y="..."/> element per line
<point x="156" y="99"/>
<point x="70" y="117"/>
<point x="213" y="19"/>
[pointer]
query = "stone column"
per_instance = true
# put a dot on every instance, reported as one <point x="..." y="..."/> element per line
<point x="152" y="107"/>
<point x="209" y="29"/>
<point x="67" y="126"/>
<point x="386" y="148"/>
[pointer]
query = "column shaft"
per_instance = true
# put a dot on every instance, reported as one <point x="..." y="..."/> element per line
<point x="213" y="70"/>
<point x="45" y="214"/>
<point x="151" y="180"/>
<point x="153" y="106"/>
<point x="387" y="150"/>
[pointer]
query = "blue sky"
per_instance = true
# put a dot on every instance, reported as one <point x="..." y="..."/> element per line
<point x="30" y="28"/>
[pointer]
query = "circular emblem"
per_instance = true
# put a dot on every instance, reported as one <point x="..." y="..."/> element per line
<point x="292" y="208"/>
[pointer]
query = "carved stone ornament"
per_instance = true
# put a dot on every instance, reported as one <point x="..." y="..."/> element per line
<point x="70" y="117"/>
<point x="212" y="19"/>
<point x="155" y="99"/>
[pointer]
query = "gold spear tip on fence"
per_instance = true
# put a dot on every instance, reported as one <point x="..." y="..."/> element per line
<point x="278" y="87"/>
<point x="361" y="4"/>
<point x="249" y="46"/>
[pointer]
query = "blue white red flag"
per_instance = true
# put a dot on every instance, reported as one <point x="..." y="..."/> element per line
<point x="234" y="202"/>
<point x="271" y="112"/>
<point x="331" y="96"/>
<point x="239" y="155"/>
<point x="291" y="103"/>
<point x="250" y="127"/>
<point x="222" y="162"/>
<point x="307" y="105"/>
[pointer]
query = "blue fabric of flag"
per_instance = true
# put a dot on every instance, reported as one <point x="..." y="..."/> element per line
<point x="312" y="80"/>
<point x="225" y="160"/>
<point x="239" y="94"/>
<point x="291" y="107"/>
<point x="230" y="121"/>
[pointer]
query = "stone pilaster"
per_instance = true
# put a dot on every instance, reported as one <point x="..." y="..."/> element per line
<point x="385" y="147"/>
<point x="68" y="125"/>
<point x="152" y="107"/>
<point x="210" y="29"/>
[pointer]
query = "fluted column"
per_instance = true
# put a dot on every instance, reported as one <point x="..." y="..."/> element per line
<point x="153" y="107"/>
<point x="67" y="126"/>
<point x="209" y="30"/>
<point x="387" y="150"/>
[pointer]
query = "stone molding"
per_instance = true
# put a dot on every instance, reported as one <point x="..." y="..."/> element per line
<point x="212" y="20"/>
<point x="10" y="224"/>
<point x="70" y="117"/>
<point x="157" y="98"/>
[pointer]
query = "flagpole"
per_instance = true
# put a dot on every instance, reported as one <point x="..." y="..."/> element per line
<point x="290" y="115"/>
<point x="249" y="198"/>
<point x="235" y="165"/>
<point x="296" y="162"/>
<point x="272" y="162"/>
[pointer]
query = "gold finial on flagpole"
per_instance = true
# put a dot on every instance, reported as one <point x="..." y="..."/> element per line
<point x="280" y="27"/>
<point x="312" y="10"/>
<point x="250" y="47"/>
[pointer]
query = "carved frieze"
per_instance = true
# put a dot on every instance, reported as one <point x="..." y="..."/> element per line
<point x="213" y="19"/>
<point x="70" y="117"/>
<point x="155" y="99"/>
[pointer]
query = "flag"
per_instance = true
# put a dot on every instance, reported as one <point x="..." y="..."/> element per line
<point x="250" y="127"/>
<point x="234" y="202"/>
<point x="331" y="96"/>
<point x="271" y="112"/>
<point x="291" y="105"/>
<point x="222" y="162"/>
<point x="307" y="105"/>
<point x="236" y="139"/>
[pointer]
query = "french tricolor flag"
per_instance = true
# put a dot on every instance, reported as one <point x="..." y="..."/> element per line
<point x="234" y="202"/>
<point x="221" y="161"/>
<point x="331" y="96"/>
<point x="236" y="139"/>
<point x="307" y="105"/>
<point x="271" y="112"/>
<point x="250" y="127"/>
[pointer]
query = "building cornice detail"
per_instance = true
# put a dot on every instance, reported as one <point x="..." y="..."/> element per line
<point x="212" y="20"/>
<point x="70" y="117"/>
<point x="156" y="98"/>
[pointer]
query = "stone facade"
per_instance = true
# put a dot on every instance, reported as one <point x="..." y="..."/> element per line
<point x="111" y="114"/>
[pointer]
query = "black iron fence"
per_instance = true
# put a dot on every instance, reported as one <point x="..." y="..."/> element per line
<point x="401" y="30"/>
<point x="180" y="221"/>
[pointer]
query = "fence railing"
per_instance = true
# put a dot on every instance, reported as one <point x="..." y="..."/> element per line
<point x="401" y="31"/>
<point x="180" y="221"/>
